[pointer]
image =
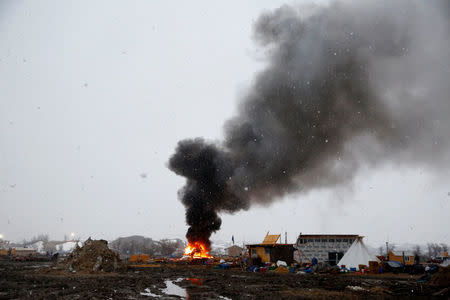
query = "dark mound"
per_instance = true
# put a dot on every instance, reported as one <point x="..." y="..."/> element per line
<point x="441" y="278"/>
<point x="93" y="256"/>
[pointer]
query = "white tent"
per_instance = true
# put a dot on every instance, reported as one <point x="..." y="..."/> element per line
<point x="356" y="255"/>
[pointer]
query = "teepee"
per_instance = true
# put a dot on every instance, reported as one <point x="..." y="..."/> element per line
<point x="357" y="255"/>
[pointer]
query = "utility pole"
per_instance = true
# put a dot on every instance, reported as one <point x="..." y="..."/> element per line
<point x="285" y="237"/>
<point x="387" y="250"/>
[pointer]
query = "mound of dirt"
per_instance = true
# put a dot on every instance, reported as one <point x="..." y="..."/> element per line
<point x="441" y="278"/>
<point x="93" y="256"/>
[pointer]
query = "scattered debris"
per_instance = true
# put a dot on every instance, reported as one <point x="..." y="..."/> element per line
<point x="356" y="288"/>
<point x="281" y="263"/>
<point x="172" y="281"/>
<point x="441" y="292"/>
<point x="148" y="293"/>
<point x="281" y="269"/>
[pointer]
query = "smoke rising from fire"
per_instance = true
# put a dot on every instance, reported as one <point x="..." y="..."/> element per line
<point x="345" y="84"/>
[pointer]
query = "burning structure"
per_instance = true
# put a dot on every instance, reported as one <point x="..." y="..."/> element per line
<point x="197" y="249"/>
<point x="345" y="84"/>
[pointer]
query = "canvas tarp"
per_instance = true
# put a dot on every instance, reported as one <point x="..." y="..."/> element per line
<point x="357" y="255"/>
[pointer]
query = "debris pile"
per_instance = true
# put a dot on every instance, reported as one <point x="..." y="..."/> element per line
<point x="441" y="278"/>
<point x="93" y="256"/>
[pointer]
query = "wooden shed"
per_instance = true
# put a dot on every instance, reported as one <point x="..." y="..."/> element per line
<point x="20" y="251"/>
<point x="270" y="251"/>
<point x="403" y="257"/>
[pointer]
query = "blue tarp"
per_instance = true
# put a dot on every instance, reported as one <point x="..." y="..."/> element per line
<point x="224" y="266"/>
<point x="253" y="269"/>
<point x="394" y="264"/>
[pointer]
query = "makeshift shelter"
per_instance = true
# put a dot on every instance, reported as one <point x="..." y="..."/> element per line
<point x="270" y="251"/>
<point x="357" y="255"/>
<point x="403" y="257"/>
<point x="21" y="251"/>
<point x="329" y="248"/>
<point x="234" y="251"/>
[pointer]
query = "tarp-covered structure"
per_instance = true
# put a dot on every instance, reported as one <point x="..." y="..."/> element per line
<point x="356" y="255"/>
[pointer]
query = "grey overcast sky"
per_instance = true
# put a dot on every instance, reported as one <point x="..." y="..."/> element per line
<point x="94" y="96"/>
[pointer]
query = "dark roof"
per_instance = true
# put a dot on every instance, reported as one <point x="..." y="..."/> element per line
<point x="272" y="245"/>
<point x="328" y="236"/>
<point x="234" y="246"/>
<point x="401" y="252"/>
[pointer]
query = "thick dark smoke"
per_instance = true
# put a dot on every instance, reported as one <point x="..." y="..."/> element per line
<point x="345" y="84"/>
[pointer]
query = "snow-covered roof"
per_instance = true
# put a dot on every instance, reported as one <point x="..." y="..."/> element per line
<point x="24" y="249"/>
<point x="401" y="253"/>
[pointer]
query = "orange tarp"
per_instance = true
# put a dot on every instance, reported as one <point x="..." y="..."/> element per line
<point x="139" y="258"/>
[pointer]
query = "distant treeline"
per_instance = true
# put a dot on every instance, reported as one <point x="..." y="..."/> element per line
<point x="125" y="246"/>
<point x="137" y="244"/>
<point x="424" y="253"/>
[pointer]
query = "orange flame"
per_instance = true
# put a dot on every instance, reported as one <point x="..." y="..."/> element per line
<point x="196" y="250"/>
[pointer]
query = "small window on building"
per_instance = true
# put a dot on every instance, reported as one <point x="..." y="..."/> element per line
<point x="338" y="240"/>
<point x="345" y="240"/>
<point x="331" y="240"/>
<point x="317" y="240"/>
<point x="406" y="258"/>
<point x="324" y="240"/>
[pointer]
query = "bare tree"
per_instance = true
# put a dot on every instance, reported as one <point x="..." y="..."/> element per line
<point x="134" y="245"/>
<point x="4" y="244"/>
<point x="168" y="247"/>
<point x="392" y="247"/>
<point x="434" y="250"/>
<point x="49" y="248"/>
<point x="417" y="254"/>
<point x="41" y="237"/>
<point x="437" y="250"/>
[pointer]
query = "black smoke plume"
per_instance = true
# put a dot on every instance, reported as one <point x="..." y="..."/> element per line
<point x="348" y="83"/>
